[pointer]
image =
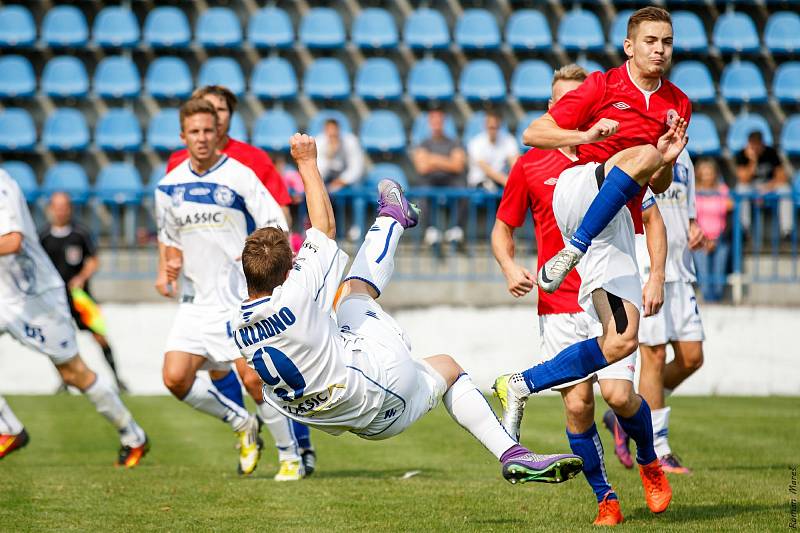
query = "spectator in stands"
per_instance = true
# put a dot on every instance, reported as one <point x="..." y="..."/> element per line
<point x="491" y="153"/>
<point x="440" y="162"/>
<point x="339" y="157"/>
<point x="714" y="204"/>
<point x="73" y="252"/>
<point x="759" y="169"/>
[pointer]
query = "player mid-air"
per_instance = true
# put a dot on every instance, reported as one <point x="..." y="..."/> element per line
<point x="354" y="373"/>
<point x="34" y="310"/>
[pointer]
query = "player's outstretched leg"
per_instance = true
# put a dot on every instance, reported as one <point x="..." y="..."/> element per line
<point x="12" y="433"/>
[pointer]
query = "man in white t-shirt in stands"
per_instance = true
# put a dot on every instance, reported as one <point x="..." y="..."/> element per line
<point x="491" y="153"/>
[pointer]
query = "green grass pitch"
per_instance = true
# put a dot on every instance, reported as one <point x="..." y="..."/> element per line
<point x="741" y="450"/>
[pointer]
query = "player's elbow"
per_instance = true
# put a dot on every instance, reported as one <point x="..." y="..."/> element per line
<point x="13" y="242"/>
<point x="529" y="135"/>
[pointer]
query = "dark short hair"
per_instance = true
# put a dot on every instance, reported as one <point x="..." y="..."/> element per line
<point x="196" y="106"/>
<point x="756" y="135"/>
<point x="647" y="14"/>
<point x="493" y="113"/>
<point x="218" y="90"/>
<point x="266" y="259"/>
<point x="331" y="120"/>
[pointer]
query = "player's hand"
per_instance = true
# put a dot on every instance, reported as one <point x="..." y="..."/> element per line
<point x="602" y="129"/>
<point x="696" y="236"/>
<point x="76" y="283"/>
<point x="672" y="143"/>
<point x="652" y="297"/>
<point x="520" y="281"/>
<point x="303" y="147"/>
<point x="164" y="287"/>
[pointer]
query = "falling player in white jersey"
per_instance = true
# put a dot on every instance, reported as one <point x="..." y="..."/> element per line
<point x="678" y="322"/>
<point x="354" y="373"/>
<point x="206" y="207"/>
<point x="34" y="310"/>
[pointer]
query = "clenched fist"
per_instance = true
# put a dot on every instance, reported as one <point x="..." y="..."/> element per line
<point x="303" y="147"/>
<point x="602" y="129"/>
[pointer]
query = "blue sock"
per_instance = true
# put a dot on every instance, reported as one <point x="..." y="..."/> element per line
<point x="588" y="447"/>
<point x="617" y="190"/>
<point x="573" y="362"/>
<point x="639" y="427"/>
<point x="230" y="387"/>
<point x="302" y="435"/>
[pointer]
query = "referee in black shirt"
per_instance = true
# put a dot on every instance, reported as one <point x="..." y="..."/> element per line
<point x="74" y="255"/>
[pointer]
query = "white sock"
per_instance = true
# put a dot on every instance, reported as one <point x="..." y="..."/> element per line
<point x="374" y="262"/>
<point x="205" y="397"/>
<point x="280" y="427"/>
<point x="9" y="423"/>
<point x="661" y="431"/>
<point x="469" y="408"/>
<point x="108" y="403"/>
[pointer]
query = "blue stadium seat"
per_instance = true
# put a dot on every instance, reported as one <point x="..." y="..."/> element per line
<point x="619" y="29"/>
<point x="64" y="77"/>
<point x="168" y="77"/>
<point x="426" y="29"/>
<point x="689" y="32"/>
<point x="580" y="30"/>
<point x="167" y="27"/>
<point x="590" y="65"/>
<point x="117" y="77"/>
<point x="782" y="33"/>
<point x="119" y="183"/>
<point x="477" y="124"/>
<point x="274" y="78"/>
<point x="238" y="129"/>
<point x="421" y="131"/>
<point x="67" y="177"/>
<point x="317" y="122"/>
<point x="374" y="28"/>
<point x="270" y="27"/>
<point x="527" y="29"/>
<point x="383" y="171"/>
<point x="735" y="32"/>
<point x="477" y="30"/>
<point x="378" y="79"/>
<point x="25" y="177"/>
<point x="742" y="126"/>
<point x="531" y="81"/>
<point x="164" y="130"/>
<point x="222" y="71"/>
<point x="115" y="27"/>
<point x="218" y="27"/>
<point x="382" y="132"/>
<point x="118" y="130"/>
<point x="742" y="82"/>
<point x="529" y="117"/>
<point x="18" y="79"/>
<point x="64" y="130"/>
<point x="430" y="79"/>
<point x="693" y="78"/>
<point x="326" y="78"/>
<point x="786" y="83"/>
<point x="790" y="136"/>
<point x="703" y="136"/>
<point x="17" y="130"/>
<point x="65" y="26"/>
<point x="273" y="129"/>
<point x="482" y="81"/>
<point x="322" y="28"/>
<point x="17" y="27"/>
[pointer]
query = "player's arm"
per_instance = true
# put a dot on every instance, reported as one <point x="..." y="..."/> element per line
<point x="546" y="134"/>
<point x="90" y="264"/>
<point x="696" y="236"/>
<point x="519" y="279"/>
<point x="320" y="211"/>
<point x="671" y="144"/>
<point x="10" y="227"/>
<point x="10" y="243"/>
<point x="656" y="235"/>
<point x="170" y="256"/>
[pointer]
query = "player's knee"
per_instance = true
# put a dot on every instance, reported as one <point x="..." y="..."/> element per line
<point x="176" y="381"/>
<point x="620" y="399"/>
<point x="647" y="158"/>
<point x="445" y="366"/>
<point x="579" y="410"/>
<point x="76" y="374"/>
<point x="692" y="362"/>
<point x="617" y="347"/>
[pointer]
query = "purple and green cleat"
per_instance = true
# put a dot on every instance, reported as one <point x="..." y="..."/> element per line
<point x="621" y="439"/>
<point x="392" y="202"/>
<point x="520" y="465"/>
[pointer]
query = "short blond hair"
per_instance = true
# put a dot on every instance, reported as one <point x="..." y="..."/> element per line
<point x="572" y="72"/>
<point x="196" y="106"/>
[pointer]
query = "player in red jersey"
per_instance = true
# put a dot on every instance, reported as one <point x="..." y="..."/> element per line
<point x="562" y="321"/>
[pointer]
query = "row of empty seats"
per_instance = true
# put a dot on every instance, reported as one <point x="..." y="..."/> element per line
<point x="375" y="28"/>
<point x="377" y="79"/>
<point x="383" y="131"/>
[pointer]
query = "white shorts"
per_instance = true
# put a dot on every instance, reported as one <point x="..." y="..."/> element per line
<point x="565" y="329"/>
<point x="204" y="330"/>
<point x="411" y="388"/>
<point x="678" y="319"/>
<point x="42" y="322"/>
<point x="610" y="263"/>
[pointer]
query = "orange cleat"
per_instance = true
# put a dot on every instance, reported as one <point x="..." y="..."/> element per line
<point x="657" y="491"/>
<point x="10" y="443"/>
<point x="608" y="512"/>
<point x="129" y="456"/>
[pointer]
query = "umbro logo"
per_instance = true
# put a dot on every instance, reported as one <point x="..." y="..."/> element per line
<point x="551" y="181"/>
<point x="621" y="105"/>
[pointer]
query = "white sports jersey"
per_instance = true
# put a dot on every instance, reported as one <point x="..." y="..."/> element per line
<point x="294" y="343"/>
<point x="29" y="272"/>
<point x="208" y="217"/>
<point x="677" y="206"/>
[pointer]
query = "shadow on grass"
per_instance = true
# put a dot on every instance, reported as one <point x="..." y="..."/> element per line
<point x="686" y="512"/>
<point x="392" y="473"/>
<point x="743" y="467"/>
